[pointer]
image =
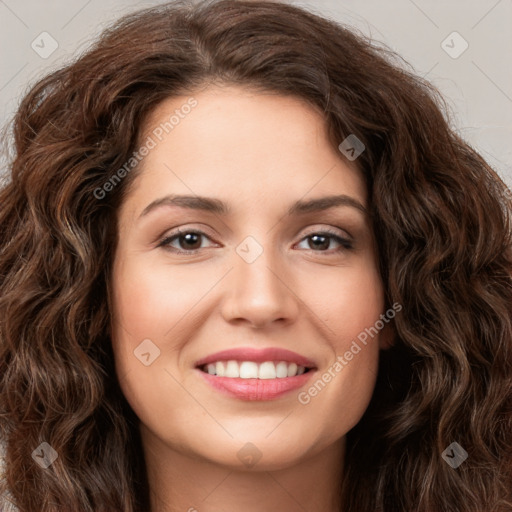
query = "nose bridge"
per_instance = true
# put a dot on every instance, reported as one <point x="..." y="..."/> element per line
<point x="259" y="292"/>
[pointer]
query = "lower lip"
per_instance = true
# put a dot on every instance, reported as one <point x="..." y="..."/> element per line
<point x="256" y="389"/>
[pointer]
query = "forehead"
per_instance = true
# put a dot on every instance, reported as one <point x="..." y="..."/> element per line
<point x="242" y="145"/>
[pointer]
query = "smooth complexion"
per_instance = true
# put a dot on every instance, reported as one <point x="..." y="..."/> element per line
<point x="259" y="154"/>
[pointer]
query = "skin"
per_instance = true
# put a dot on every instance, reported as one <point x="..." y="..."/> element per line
<point x="259" y="153"/>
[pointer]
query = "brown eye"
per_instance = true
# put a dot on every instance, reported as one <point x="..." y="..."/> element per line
<point x="322" y="240"/>
<point x="188" y="241"/>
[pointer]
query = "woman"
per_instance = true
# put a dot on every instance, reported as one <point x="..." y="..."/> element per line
<point x="245" y="263"/>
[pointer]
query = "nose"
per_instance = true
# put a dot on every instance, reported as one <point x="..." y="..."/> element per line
<point x="260" y="293"/>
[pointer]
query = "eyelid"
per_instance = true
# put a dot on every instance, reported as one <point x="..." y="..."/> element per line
<point x="347" y="242"/>
<point x="335" y="232"/>
<point x="171" y="232"/>
<point x="332" y="230"/>
<point x="310" y="230"/>
<point x="176" y="233"/>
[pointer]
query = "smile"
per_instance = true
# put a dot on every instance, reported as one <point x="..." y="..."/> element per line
<point x="255" y="374"/>
<point x="253" y="370"/>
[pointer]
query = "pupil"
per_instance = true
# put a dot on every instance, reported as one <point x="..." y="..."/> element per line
<point x="323" y="241"/>
<point x="318" y="241"/>
<point x="189" y="238"/>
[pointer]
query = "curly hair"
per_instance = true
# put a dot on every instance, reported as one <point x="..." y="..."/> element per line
<point x="441" y="216"/>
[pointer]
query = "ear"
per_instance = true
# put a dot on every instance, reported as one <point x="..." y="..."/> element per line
<point x="387" y="336"/>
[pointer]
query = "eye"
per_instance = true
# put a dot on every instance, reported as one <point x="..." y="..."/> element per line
<point x="189" y="240"/>
<point x="319" y="241"/>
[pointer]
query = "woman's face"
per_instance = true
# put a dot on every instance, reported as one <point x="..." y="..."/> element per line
<point x="253" y="272"/>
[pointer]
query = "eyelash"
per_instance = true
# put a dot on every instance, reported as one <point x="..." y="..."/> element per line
<point x="165" y="242"/>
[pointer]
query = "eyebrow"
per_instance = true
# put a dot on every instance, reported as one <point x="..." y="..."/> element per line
<point x="216" y="206"/>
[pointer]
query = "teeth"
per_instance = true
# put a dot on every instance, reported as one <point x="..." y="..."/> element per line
<point x="252" y="370"/>
<point x="220" y="369"/>
<point x="232" y="370"/>
<point x="292" y="369"/>
<point x="267" y="370"/>
<point x="248" y="370"/>
<point x="281" y="370"/>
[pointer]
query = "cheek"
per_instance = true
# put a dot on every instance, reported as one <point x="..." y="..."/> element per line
<point x="156" y="302"/>
<point x="149" y="305"/>
<point x="349" y="303"/>
<point x="150" y="300"/>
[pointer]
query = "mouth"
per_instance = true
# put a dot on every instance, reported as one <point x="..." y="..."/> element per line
<point x="251" y="374"/>
<point x="252" y="370"/>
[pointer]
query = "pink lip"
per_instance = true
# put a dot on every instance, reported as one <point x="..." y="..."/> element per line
<point x="256" y="389"/>
<point x="258" y="356"/>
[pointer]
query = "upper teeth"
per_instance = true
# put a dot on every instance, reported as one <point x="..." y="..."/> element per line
<point x="252" y="370"/>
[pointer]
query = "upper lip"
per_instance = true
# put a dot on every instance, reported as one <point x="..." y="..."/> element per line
<point x="258" y="356"/>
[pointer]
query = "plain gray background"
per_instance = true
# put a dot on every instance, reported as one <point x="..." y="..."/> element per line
<point x="38" y="36"/>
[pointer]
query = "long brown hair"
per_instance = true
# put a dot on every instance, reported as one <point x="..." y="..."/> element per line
<point x="441" y="215"/>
